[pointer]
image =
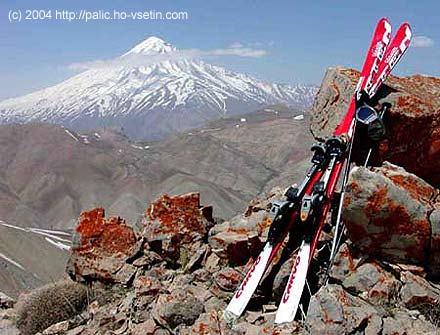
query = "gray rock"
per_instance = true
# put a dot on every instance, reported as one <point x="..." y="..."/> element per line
<point x="144" y="328"/>
<point x="334" y="311"/>
<point x="176" y="308"/>
<point x="58" y="328"/>
<point x="200" y="292"/>
<point x="246" y="328"/>
<point x="206" y="323"/>
<point x="147" y="285"/>
<point x="149" y="258"/>
<point x="212" y="263"/>
<point x="196" y="259"/>
<point x="228" y="279"/>
<point x="379" y="286"/>
<point x="76" y="330"/>
<point x="434" y="259"/>
<point x="215" y="304"/>
<point x="403" y="324"/>
<point x="331" y="102"/>
<point x="344" y="263"/>
<point x="126" y="274"/>
<point x="235" y="246"/>
<point x="386" y="213"/>
<point x="418" y="293"/>
<point x="7" y="322"/>
<point x="202" y="275"/>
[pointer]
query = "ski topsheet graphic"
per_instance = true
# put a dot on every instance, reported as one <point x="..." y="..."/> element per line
<point x="310" y="202"/>
<point x="393" y="54"/>
<point x="250" y="283"/>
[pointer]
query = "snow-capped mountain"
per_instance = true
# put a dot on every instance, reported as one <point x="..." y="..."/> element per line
<point x="151" y="91"/>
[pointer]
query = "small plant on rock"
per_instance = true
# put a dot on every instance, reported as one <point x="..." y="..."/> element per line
<point x="50" y="304"/>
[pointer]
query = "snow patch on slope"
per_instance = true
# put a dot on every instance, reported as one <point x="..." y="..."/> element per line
<point x="58" y="238"/>
<point x="6" y="258"/>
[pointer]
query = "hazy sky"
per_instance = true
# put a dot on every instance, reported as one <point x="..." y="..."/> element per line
<point x="281" y="41"/>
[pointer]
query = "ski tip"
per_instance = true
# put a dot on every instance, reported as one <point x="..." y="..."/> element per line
<point x="384" y="21"/>
<point x="405" y="25"/>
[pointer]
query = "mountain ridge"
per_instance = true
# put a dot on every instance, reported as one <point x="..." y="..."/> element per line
<point x="170" y="93"/>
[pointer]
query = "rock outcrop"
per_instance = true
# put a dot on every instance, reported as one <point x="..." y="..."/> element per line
<point x="391" y="213"/>
<point x="173" y="225"/>
<point x="370" y="297"/>
<point x="415" y="111"/>
<point x="103" y="249"/>
<point x="137" y="287"/>
<point x="242" y="237"/>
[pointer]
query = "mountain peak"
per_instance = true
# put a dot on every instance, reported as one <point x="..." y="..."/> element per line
<point x="152" y="45"/>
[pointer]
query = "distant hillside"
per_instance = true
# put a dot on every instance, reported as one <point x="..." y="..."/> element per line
<point x="49" y="175"/>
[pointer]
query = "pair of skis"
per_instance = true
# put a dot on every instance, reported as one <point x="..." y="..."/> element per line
<point x="309" y="203"/>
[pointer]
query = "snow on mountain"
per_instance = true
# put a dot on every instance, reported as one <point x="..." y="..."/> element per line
<point x="166" y="95"/>
<point x="152" y="45"/>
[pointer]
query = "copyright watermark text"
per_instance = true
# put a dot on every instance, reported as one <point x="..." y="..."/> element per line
<point x="83" y="15"/>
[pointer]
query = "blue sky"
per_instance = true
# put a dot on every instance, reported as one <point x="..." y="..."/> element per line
<point x="298" y="39"/>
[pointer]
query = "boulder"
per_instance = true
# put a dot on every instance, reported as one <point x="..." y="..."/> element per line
<point x="387" y="213"/>
<point x="332" y="101"/>
<point x="374" y="283"/>
<point x="401" y="323"/>
<point x="172" y="223"/>
<point x="236" y="247"/>
<point x="228" y="279"/>
<point x="7" y="322"/>
<point x="144" y="328"/>
<point x="147" y="285"/>
<point x="102" y="247"/>
<point x="58" y="328"/>
<point x="434" y="255"/>
<point x="415" y="110"/>
<point x="177" y="307"/>
<point x="418" y="293"/>
<point x="345" y="262"/>
<point x="206" y="324"/>
<point x="242" y="237"/>
<point x="335" y="311"/>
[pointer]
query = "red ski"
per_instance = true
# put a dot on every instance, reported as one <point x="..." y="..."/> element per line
<point x="378" y="65"/>
<point x="310" y="201"/>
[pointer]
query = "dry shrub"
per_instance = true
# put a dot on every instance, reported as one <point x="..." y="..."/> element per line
<point x="50" y="304"/>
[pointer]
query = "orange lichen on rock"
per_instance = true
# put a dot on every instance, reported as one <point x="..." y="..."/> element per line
<point x="173" y="222"/>
<point x="177" y="213"/>
<point x="338" y="92"/>
<point x="110" y="235"/>
<point x="412" y="123"/>
<point x="417" y="190"/>
<point x="388" y="213"/>
<point x="103" y="248"/>
<point x="352" y="74"/>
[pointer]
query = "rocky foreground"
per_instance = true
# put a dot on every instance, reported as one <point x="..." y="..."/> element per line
<point x="177" y="273"/>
